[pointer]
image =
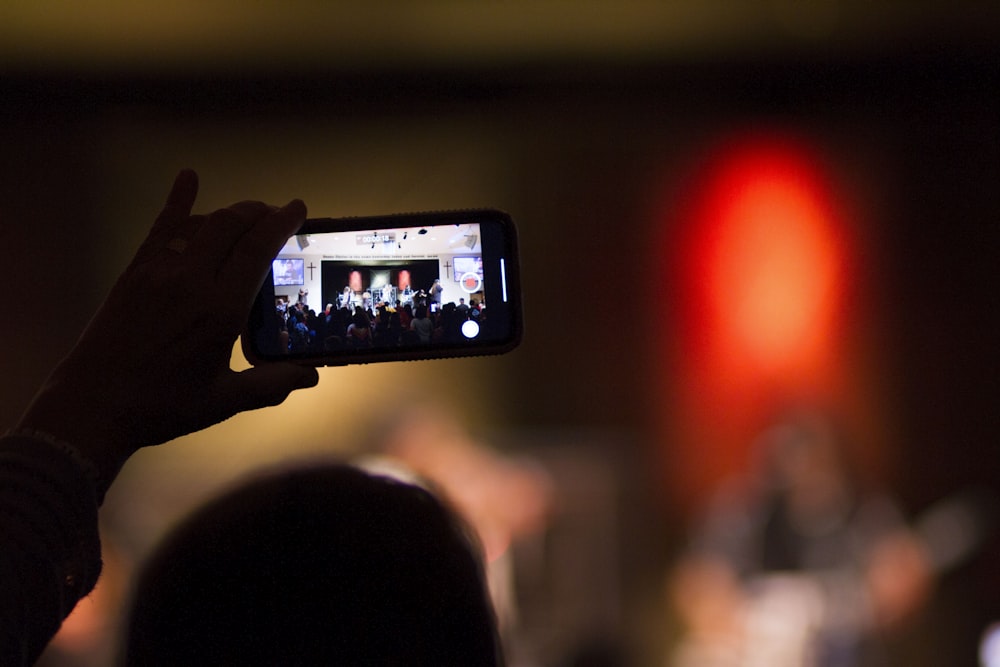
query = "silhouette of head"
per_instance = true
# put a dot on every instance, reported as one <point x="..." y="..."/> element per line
<point x="318" y="565"/>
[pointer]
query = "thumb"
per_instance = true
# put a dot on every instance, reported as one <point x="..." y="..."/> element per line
<point x="263" y="386"/>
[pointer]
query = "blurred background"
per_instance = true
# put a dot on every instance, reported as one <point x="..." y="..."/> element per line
<point x="760" y="243"/>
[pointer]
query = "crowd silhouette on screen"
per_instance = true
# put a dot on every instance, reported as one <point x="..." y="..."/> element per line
<point x="303" y="330"/>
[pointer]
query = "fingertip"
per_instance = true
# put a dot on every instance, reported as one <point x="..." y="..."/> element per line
<point x="187" y="177"/>
<point x="309" y="377"/>
<point x="288" y="377"/>
<point x="264" y="385"/>
<point x="295" y="209"/>
<point x="184" y="190"/>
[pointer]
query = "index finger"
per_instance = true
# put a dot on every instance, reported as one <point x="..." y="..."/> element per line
<point x="174" y="215"/>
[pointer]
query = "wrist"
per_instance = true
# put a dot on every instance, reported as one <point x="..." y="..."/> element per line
<point x="75" y="428"/>
<point x="87" y="468"/>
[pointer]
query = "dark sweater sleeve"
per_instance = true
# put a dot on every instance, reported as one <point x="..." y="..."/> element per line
<point x="50" y="553"/>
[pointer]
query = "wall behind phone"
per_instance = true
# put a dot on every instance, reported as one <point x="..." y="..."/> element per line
<point x="340" y="167"/>
<point x="581" y="151"/>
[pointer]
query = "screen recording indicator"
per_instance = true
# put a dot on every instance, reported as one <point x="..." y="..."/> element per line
<point x="397" y="287"/>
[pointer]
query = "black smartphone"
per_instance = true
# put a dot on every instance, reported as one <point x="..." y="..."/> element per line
<point x="390" y="288"/>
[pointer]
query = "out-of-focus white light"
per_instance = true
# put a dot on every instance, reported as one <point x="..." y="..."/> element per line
<point x="989" y="647"/>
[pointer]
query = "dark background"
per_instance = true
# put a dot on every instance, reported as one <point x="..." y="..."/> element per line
<point x="590" y="143"/>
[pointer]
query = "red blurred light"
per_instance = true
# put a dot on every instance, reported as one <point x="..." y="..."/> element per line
<point x="761" y="260"/>
<point x="772" y="261"/>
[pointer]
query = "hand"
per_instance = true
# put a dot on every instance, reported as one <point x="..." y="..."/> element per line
<point x="153" y="364"/>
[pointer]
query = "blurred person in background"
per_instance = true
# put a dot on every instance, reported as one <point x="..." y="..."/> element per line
<point x="504" y="498"/>
<point x="795" y="566"/>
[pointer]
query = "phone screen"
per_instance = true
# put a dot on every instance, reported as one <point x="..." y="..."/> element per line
<point x="389" y="288"/>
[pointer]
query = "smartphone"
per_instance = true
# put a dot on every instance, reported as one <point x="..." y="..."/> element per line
<point x="390" y="288"/>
